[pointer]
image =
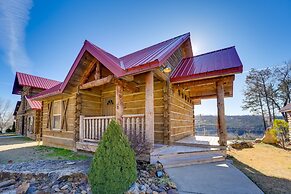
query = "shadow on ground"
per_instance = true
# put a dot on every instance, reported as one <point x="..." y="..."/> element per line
<point x="14" y="150"/>
<point x="268" y="184"/>
<point x="9" y="140"/>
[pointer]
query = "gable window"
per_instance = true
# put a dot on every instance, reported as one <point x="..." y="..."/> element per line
<point x="56" y="120"/>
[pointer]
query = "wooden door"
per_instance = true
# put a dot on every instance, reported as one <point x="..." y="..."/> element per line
<point x="108" y="106"/>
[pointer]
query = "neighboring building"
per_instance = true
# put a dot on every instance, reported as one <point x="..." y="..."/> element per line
<point x="287" y="110"/>
<point x="28" y="112"/>
<point x="151" y="93"/>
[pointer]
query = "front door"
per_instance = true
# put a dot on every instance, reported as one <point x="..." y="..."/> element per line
<point x="108" y="106"/>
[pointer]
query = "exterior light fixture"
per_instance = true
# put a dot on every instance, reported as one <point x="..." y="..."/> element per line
<point x="167" y="69"/>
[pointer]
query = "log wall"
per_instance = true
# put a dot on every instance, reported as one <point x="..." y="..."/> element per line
<point x="181" y="116"/>
<point x="64" y="138"/>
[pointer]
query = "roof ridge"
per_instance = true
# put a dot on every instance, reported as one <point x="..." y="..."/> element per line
<point x="188" y="33"/>
<point x="36" y="76"/>
<point x="212" y="52"/>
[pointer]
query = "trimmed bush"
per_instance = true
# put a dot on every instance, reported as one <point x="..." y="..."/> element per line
<point x="113" y="168"/>
<point x="282" y="129"/>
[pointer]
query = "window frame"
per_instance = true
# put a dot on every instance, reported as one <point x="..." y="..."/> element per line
<point x="58" y="114"/>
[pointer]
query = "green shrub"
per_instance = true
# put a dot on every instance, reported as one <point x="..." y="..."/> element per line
<point x="281" y="127"/>
<point x="113" y="168"/>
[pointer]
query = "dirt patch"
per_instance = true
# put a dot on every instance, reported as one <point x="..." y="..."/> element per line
<point x="19" y="149"/>
<point x="268" y="166"/>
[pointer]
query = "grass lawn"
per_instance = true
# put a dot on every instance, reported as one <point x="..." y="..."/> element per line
<point x="266" y="165"/>
<point x="22" y="149"/>
<point x="60" y="153"/>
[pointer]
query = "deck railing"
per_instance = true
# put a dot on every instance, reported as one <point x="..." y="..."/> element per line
<point x="134" y="126"/>
<point x="92" y="128"/>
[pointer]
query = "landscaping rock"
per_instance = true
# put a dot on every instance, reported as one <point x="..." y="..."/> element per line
<point x="43" y="177"/>
<point x="159" y="173"/>
<point x="7" y="183"/>
<point x="242" y="145"/>
<point x="22" y="189"/>
<point x="258" y="140"/>
<point x="270" y="137"/>
<point x="64" y="187"/>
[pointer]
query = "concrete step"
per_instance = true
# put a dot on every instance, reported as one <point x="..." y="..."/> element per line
<point x="201" y="159"/>
<point x="198" y="145"/>
<point x="190" y="154"/>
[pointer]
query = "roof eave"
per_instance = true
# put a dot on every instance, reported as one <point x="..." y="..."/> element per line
<point x="218" y="73"/>
<point x="116" y="70"/>
<point x="176" y="45"/>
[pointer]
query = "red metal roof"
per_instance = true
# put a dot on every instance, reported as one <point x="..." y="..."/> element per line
<point x="286" y="108"/>
<point x="49" y="92"/>
<point x="35" y="105"/>
<point x="23" y="79"/>
<point x="147" y="58"/>
<point x="216" y="63"/>
<point x="157" y="53"/>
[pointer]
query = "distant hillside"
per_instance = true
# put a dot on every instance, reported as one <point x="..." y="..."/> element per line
<point x="236" y="125"/>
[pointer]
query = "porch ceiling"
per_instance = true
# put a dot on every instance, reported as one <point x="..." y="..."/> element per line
<point x="205" y="88"/>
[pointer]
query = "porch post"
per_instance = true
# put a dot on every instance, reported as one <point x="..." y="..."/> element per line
<point x="149" y="107"/>
<point x="222" y="133"/>
<point x="119" y="103"/>
<point x="81" y="128"/>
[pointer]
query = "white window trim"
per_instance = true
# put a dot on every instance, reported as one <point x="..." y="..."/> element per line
<point x="57" y="129"/>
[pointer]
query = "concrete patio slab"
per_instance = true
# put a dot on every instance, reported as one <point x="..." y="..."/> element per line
<point x="212" y="178"/>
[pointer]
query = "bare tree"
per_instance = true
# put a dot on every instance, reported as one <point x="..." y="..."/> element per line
<point x="254" y="100"/>
<point x="267" y="91"/>
<point x="6" y="115"/>
<point x="280" y="87"/>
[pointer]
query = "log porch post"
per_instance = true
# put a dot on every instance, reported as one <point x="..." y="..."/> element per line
<point x="149" y="107"/>
<point x="119" y="103"/>
<point x="222" y="133"/>
<point x="81" y="127"/>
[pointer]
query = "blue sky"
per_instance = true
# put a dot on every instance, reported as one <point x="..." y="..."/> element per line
<point x="44" y="37"/>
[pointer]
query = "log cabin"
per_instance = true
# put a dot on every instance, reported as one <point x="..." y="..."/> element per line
<point x="151" y="93"/>
<point x="27" y="113"/>
<point x="287" y="109"/>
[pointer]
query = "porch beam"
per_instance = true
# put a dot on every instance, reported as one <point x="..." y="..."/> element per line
<point x="222" y="133"/>
<point x="88" y="71"/>
<point x="96" y="83"/>
<point x="128" y="78"/>
<point x="131" y="87"/>
<point x="160" y="75"/>
<point x="97" y="73"/>
<point x="196" y="101"/>
<point x="149" y="107"/>
<point x="199" y="82"/>
<point x="119" y="103"/>
<point x="211" y="96"/>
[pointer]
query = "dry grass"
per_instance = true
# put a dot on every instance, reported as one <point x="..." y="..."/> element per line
<point x="266" y="165"/>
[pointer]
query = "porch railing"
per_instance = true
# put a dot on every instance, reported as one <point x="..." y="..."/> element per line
<point x="92" y="128"/>
<point x="134" y="126"/>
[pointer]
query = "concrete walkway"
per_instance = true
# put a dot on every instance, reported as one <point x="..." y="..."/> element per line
<point x="220" y="177"/>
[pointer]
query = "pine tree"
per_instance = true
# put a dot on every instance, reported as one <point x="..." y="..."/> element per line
<point x="113" y="168"/>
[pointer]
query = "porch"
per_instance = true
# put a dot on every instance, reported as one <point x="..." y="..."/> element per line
<point x="93" y="128"/>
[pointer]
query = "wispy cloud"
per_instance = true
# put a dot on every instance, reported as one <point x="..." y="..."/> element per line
<point x="14" y="16"/>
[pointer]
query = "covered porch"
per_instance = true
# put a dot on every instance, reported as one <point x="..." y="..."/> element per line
<point x="129" y="101"/>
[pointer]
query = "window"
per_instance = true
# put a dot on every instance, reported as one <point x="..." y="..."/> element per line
<point x="31" y="121"/>
<point x="57" y="109"/>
